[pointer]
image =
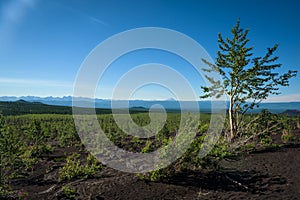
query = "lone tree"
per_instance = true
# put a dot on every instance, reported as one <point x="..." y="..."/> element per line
<point x="247" y="80"/>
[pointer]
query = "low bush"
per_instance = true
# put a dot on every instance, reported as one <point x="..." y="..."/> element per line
<point x="148" y="147"/>
<point x="74" y="169"/>
<point x="190" y="160"/>
<point x="288" y="138"/>
<point x="69" y="192"/>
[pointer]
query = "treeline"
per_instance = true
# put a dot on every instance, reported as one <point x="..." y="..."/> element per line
<point x="22" y="107"/>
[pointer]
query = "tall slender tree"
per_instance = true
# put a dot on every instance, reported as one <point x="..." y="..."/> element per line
<point x="247" y="80"/>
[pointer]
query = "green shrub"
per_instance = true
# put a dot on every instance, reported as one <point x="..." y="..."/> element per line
<point x="220" y="151"/>
<point x="67" y="137"/>
<point x="248" y="147"/>
<point x="148" y="147"/>
<point x="203" y="128"/>
<point x="69" y="192"/>
<point x="73" y="168"/>
<point x="288" y="138"/>
<point x="266" y="141"/>
<point x="189" y="160"/>
<point x="27" y="159"/>
<point x="4" y="191"/>
<point x="159" y="174"/>
<point x="31" y="153"/>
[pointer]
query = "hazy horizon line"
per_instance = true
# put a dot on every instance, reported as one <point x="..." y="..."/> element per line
<point x="168" y="99"/>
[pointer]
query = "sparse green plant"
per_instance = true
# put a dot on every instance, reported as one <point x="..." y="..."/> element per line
<point x="72" y="168"/>
<point x="189" y="160"/>
<point x="248" y="147"/>
<point x="160" y="174"/>
<point x="4" y="191"/>
<point x="220" y="151"/>
<point x="203" y="128"/>
<point x="148" y="147"/>
<point x="288" y="138"/>
<point x="266" y="141"/>
<point x="69" y="192"/>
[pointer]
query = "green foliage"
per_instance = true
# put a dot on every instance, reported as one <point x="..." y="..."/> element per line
<point x="160" y="174"/>
<point x="288" y="138"/>
<point x="248" y="147"/>
<point x="69" y="192"/>
<point x="92" y="165"/>
<point x="148" y="147"/>
<point x="220" y="151"/>
<point x="28" y="160"/>
<point x="74" y="169"/>
<point x="38" y="150"/>
<point x="30" y="154"/>
<point x="190" y="160"/>
<point x="210" y="161"/>
<point x="204" y="128"/>
<point x="25" y="139"/>
<point x="67" y="137"/>
<point x="266" y="141"/>
<point x="10" y="145"/>
<point x="4" y="191"/>
<point x="157" y="175"/>
<point x="288" y="124"/>
<point x="261" y="126"/>
<point x="33" y="132"/>
<point x="192" y="154"/>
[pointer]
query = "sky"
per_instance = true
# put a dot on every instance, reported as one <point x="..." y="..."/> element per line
<point x="44" y="43"/>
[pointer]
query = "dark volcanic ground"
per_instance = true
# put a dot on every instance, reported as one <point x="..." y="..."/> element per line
<point x="273" y="174"/>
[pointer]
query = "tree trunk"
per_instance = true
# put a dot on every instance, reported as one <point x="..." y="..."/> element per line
<point x="231" y="123"/>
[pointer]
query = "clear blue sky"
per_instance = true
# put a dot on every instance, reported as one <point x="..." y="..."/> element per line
<point x="44" y="42"/>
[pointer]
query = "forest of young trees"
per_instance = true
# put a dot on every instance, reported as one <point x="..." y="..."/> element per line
<point x="26" y="141"/>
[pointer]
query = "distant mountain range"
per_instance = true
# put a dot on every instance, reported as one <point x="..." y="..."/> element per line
<point x="170" y="104"/>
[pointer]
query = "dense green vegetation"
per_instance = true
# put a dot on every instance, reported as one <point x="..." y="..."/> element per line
<point x="26" y="139"/>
